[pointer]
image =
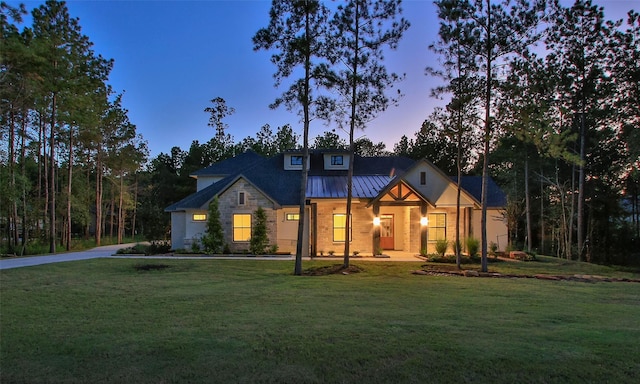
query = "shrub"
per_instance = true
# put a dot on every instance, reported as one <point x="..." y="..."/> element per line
<point x="213" y="239"/>
<point x="138" y="249"/>
<point x="473" y="245"/>
<point x="441" y="246"/>
<point x="493" y="248"/>
<point x="259" y="239"/>
<point x="195" y="245"/>
<point x="158" y="247"/>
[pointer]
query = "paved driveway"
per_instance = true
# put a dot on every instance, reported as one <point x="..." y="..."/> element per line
<point x="104" y="251"/>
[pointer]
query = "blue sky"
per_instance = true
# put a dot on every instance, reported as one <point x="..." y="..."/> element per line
<point x="172" y="57"/>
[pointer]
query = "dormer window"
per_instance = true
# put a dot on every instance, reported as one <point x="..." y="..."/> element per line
<point x="293" y="161"/>
<point x="296" y="160"/>
<point x="336" y="160"/>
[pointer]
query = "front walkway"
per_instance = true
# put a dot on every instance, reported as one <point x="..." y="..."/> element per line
<point x="386" y="256"/>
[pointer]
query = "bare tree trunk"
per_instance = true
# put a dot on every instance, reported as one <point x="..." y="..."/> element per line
<point x="69" y="176"/>
<point x="98" y="197"/>
<point x="121" y="210"/>
<point x="571" y="212"/>
<point x="135" y="207"/>
<point x="23" y="170"/>
<point x="352" y="126"/>
<point x="40" y="166"/>
<point x="13" y="217"/>
<point x="541" y="212"/>
<point x="45" y="165"/>
<point x="459" y="166"/>
<point x="580" y="224"/>
<point x="112" y="211"/>
<point x="297" y="270"/>
<point x="527" y="199"/>
<point x="52" y="179"/>
<point x="487" y="137"/>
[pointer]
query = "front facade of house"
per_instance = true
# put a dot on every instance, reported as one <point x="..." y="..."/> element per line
<point x="398" y="204"/>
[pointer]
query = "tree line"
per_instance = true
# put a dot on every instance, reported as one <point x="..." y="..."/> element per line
<point x="541" y="97"/>
<point x="71" y="150"/>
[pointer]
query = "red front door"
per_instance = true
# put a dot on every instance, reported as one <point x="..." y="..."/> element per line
<point x="386" y="232"/>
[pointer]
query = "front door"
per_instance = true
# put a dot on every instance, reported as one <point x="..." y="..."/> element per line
<point x="386" y="232"/>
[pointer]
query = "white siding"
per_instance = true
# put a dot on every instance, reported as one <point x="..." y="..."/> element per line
<point x="439" y="189"/>
<point x="205" y="181"/>
<point x="177" y="229"/>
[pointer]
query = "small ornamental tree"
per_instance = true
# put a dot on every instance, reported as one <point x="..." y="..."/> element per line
<point x="213" y="239"/>
<point x="259" y="239"/>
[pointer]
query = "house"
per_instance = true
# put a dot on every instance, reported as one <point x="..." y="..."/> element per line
<point x="398" y="203"/>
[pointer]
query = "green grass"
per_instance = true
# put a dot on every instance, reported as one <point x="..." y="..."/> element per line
<point x="219" y="321"/>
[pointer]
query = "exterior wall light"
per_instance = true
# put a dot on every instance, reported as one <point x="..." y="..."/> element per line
<point x="376" y="221"/>
<point x="424" y="221"/>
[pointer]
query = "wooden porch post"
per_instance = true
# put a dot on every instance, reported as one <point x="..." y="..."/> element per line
<point x="314" y="229"/>
<point x="423" y="228"/>
<point x="376" y="229"/>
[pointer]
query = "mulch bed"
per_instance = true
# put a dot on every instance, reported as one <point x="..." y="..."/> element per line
<point x="336" y="269"/>
<point x="474" y="273"/>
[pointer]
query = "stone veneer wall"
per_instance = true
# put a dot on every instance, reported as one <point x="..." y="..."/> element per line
<point x="362" y="222"/>
<point x="451" y="229"/>
<point x="228" y="205"/>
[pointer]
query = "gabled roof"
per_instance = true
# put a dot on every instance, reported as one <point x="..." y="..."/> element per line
<point x="372" y="175"/>
<point x="496" y="198"/>
<point x="229" y="166"/>
<point x="394" y="183"/>
<point x="266" y="175"/>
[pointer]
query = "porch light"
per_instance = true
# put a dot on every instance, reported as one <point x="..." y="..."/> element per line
<point x="376" y="221"/>
<point x="424" y="221"/>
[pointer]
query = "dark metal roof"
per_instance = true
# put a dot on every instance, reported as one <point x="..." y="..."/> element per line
<point x="319" y="187"/>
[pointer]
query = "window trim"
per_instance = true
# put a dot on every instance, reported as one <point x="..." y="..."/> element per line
<point x="242" y="198"/>
<point x="334" y="160"/>
<point x="201" y="217"/>
<point x="234" y="227"/>
<point x="292" y="216"/>
<point x="296" y="163"/>
<point x="432" y="225"/>
<point x="334" y="228"/>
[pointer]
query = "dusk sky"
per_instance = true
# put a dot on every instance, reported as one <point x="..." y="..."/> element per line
<point x="172" y="57"/>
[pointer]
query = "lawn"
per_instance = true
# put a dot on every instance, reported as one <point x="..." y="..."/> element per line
<point x="221" y="321"/>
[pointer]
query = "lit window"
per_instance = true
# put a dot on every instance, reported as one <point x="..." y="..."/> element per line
<point x="340" y="228"/>
<point x="437" y="226"/>
<point x="199" y="217"/>
<point x="296" y="160"/>
<point x="241" y="198"/>
<point x="293" y="216"/>
<point x="242" y="227"/>
<point x="336" y="160"/>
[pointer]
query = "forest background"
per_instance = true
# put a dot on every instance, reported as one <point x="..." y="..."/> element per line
<point x="73" y="167"/>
